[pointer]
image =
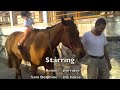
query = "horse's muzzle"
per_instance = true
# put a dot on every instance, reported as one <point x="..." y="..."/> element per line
<point x="80" y="55"/>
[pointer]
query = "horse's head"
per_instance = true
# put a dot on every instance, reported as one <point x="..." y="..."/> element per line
<point x="71" y="39"/>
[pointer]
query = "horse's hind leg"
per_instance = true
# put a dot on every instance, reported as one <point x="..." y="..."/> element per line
<point x="18" y="71"/>
<point x="14" y="61"/>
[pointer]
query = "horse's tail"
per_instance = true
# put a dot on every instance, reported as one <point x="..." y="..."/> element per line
<point x="9" y="57"/>
<point x="9" y="53"/>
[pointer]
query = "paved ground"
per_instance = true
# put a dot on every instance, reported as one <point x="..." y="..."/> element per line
<point x="8" y="73"/>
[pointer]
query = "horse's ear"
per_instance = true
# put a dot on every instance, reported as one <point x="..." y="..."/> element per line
<point x="72" y="18"/>
<point x="62" y="19"/>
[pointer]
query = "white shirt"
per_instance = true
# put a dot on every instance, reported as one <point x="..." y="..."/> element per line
<point x="94" y="45"/>
<point x="28" y="22"/>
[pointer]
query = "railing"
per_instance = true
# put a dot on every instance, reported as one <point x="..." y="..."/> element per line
<point x="55" y="16"/>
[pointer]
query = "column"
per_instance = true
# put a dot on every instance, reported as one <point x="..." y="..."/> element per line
<point x="45" y="19"/>
<point x="11" y="18"/>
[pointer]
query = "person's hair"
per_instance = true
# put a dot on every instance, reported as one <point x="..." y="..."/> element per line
<point x="25" y="14"/>
<point x="100" y="21"/>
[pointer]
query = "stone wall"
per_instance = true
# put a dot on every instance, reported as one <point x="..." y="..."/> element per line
<point x="114" y="54"/>
<point x="68" y="69"/>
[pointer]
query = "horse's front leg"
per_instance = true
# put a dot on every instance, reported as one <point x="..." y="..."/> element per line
<point x="50" y="71"/>
<point x="18" y="74"/>
<point x="18" y="71"/>
<point x="33" y="69"/>
<point x="50" y="74"/>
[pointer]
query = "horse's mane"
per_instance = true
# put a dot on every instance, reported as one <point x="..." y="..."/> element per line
<point x="47" y="28"/>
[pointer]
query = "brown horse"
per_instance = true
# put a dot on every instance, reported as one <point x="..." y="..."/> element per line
<point x="41" y="43"/>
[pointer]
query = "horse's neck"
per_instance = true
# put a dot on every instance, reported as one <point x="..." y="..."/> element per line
<point x="55" y="35"/>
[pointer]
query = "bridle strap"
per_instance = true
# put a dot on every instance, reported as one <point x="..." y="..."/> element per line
<point x="69" y="42"/>
<point x="50" y="45"/>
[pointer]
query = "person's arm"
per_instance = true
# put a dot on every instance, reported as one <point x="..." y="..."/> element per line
<point x="106" y="52"/>
<point x="107" y="57"/>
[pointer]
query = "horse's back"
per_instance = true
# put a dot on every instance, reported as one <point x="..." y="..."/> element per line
<point x="11" y="38"/>
<point x="11" y="43"/>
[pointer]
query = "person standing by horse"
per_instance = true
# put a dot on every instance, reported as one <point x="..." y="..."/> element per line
<point x="98" y="60"/>
<point x="28" y="22"/>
